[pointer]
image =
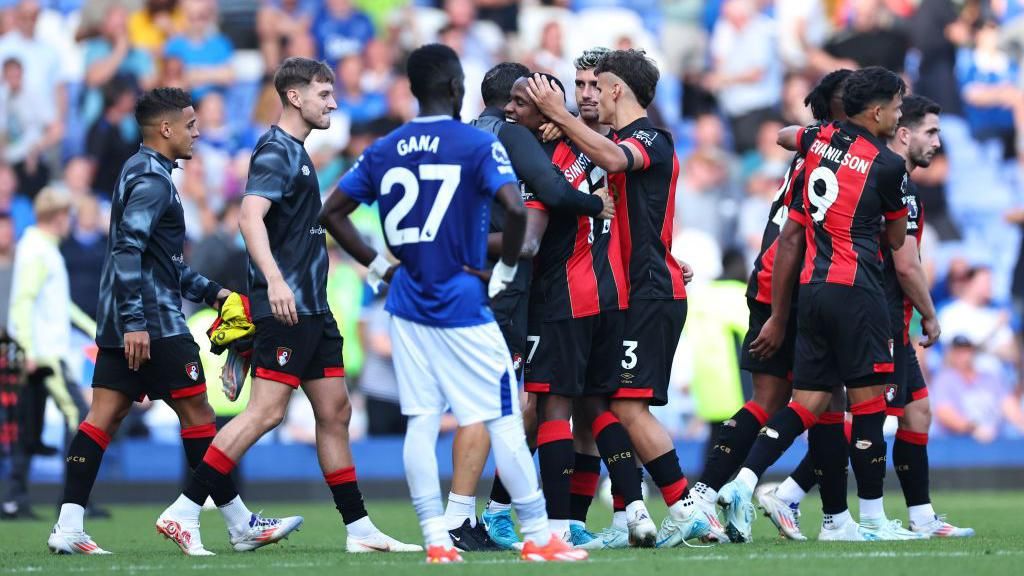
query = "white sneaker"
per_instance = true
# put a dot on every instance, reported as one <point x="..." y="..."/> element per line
<point x="848" y="531"/>
<point x="642" y="531"/>
<point x="710" y="512"/>
<point x="735" y="498"/>
<point x="184" y="533"/>
<point x="378" y="542"/>
<point x="263" y="531"/>
<point x="785" y="516"/>
<point x="939" y="528"/>
<point x="877" y="529"/>
<point x="608" y="539"/>
<point x="678" y="527"/>
<point x="72" y="542"/>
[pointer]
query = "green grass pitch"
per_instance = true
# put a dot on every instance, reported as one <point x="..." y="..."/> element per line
<point x="318" y="547"/>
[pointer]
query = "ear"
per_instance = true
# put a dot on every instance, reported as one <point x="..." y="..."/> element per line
<point x="453" y="87"/>
<point x="294" y="98"/>
<point x="165" y="128"/>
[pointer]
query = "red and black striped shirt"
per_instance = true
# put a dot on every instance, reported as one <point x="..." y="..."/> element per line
<point x="759" y="287"/>
<point x="851" y="181"/>
<point x="901" y="308"/>
<point x="578" y="271"/>
<point x="645" y="221"/>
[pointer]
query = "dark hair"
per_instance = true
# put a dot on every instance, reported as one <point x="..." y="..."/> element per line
<point x="12" y="61"/>
<point x="301" y="72"/>
<point x="915" y="108"/>
<point x="868" y="86"/>
<point x="431" y="68"/>
<point x="156" y="103"/>
<point x="497" y="83"/>
<point x="637" y="70"/>
<point x="820" y="98"/>
<point x="553" y="78"/>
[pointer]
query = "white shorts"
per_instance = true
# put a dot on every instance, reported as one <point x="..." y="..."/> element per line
<point x="468" y="369"/>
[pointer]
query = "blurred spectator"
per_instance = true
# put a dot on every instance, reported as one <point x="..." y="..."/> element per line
<point x="150" y="26"/>
<point x="551" y="57"/>
<point x="37" y="56"/>
<point x="359" y="105"/>
<point x="480" y="38"/>
<point x="803" y="30"/>
<point x="401" y="104"/>
<point x="972" y="315"/>
<point x="279" y="22"/>
<point x="931" y="188"/>
<point x="988" y="85"/>
<point x="77" y="182"/>
<point x="379" y="66"/>
<point x="970" y="401"/>
<point x="6" y="266"/>
<point x="218" y="147"/>
<point x="703" y="201"/>
<point x="18" y="207"/>
<point x="474" y="65"/>
<point x="84" y="250"/>
<point x="378" y="382"/>
<point x="794" y="89"/>
<point x="172" y="73"/>
<point x="684" y="43"/>
<point x="109" y="57"/>
<point x="745" y="73"/>
<point x="936" y="78"/>
<point x="867" y="40"/>
<point x="221" y="256"/>
<point x="27" y="130"/>
<point x="114" y="137"/>
<point x="341" y="30"/>
<point x="205" y="52"/>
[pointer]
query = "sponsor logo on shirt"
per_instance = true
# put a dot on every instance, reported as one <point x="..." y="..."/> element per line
<point x="645" y="136"/>
<point x="500" y="156"/>
<point x="179" y="258"/>
<point x="317" y="230"/>
<point x="305" y="170"/>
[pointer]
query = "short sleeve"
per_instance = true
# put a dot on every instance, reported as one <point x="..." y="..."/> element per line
<point x="655" y="148"/>
<point x="805" y="137"/>
<point x="892" y="187"/>
<point x="796" y="211"/>
<point x="357" y="184"/>
<point x="494" y="169"/>
<point x="268" y="172"/>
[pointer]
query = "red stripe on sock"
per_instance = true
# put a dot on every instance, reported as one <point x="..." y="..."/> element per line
<point x="919" y="438"/>
<point x="603" y="421"/>
<point x="98" y="436"/>
<point x="873" y="406"/>
<point x="832" y="418"/>
<point x="276" y="376"/>
<point x="584" y="483"/>
<point x="201" y="431"/>
<point x="553" y="431"/>
<point x="919" y="394"/>
<point x="336" y="372"/>
<point x="341" y="476"/>
<point x="674" y="492"/>
<point x="806" y="416"/>
<point x="757" y="412"/>
<point x="618" y="502"/>
<point x="218" y="460"/>
<point x="189" y="391"/>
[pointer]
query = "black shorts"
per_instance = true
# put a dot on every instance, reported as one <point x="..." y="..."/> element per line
<point x="291" y="355"/>
<point x="511" y="312"/>
<point x="575" y="357"/>
<point x="173" y="371"/>
<point x="843" y="335"/>
<point x="649" y="341"/>
<point x="907" y="383"/>
<point x="780" y="364"/>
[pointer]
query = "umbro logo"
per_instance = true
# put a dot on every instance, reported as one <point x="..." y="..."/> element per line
<point x="305" y="170"/>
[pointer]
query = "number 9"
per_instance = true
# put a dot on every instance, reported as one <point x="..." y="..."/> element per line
<point x="822" y="198"/>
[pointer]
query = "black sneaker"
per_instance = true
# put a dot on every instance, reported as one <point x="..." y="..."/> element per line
<point x="470" y="538"/>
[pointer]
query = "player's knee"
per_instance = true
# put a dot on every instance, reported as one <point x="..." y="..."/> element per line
<point x="269" y="417"/>
<point x="628" y="411"/>
<point x="338" y="414"/>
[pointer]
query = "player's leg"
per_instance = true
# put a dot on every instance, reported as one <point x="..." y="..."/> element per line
<point x="829" y="443"/>
<point x="470" y="448"/>
<point x="586" y="475"/>
<point x="555" y="452"/>
<point x="497" y="516"/>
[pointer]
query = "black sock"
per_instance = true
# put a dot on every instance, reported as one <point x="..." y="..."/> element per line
<point x="82" y="463"/>
<point x="347" y="497"/>
<point x="803" y="474"/>
<point x="777" y="436"/>
<point x="196" y="440"/>
<point x="669" y="477"/>
<point x="868" y="448"/>
<point x="499" y="495"/>
<point x="586" y="474"/>
<point x="554" y="446"/>
<point x="617" y="452"/>
<point x="735" y="437"/>
<point x="910" y="459"/>
<point x="829" y="451"/>
<point x="212" y="478"/>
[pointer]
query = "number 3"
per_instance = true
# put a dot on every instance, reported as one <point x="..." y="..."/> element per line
<point x="448" y="174"/>
<point x="630" y="361"/>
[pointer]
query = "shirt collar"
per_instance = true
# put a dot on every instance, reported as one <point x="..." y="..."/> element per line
<point x="437" y="118"/>
<point x="493" y="111"/>
<point x="163" y="160"/>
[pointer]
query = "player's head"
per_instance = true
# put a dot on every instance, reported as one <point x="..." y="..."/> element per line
<point x="826" y="99"/>
<point x="306" y="87"/>
<point x="496" y="88"/>
<point x="918" y="129"/>
<point x="624" y="76"/>
<point x="436" y="78"/>
<point x="168" y="121"/>
<point x="587" y="93"/>
<point x="872" y="96"/>
<point x="521" y="109"/>
<point x="53" y="210"/>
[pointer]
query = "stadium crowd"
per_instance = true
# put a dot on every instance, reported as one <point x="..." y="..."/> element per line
<point x="733" y="73"/>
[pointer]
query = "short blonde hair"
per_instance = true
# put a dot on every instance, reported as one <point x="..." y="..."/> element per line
<point x="50" y="202"/>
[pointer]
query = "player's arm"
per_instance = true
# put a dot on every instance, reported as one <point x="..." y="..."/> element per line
<point x="81" y="320"/>
<point x="334" y="216"/>
<point x="790" y="253"/>
<point x="534" y="168"/>
<point x="198" y="288"/>
<point x="914" y="282"/>
<point x="536" y="225"/>
<point x="892" y="183"/>
<point x="787" y="138"/>
<point x="28" y="283"/>
<point x="514" y="226"/>
<point x="257" y="243"/>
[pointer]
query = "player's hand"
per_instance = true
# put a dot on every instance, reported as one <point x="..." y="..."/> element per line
<point x="282" y="302"/>
<point x="608" y="211"/>
<point x="549" y="132"/>
<point x="769" y="340"/>
<point x="501" y="276"/>
<point x="546" y="95"/>
<point x="221" y="297"/>
<point x="380" y="272"/>
<point x="932" y="331"/>
<point x="30" y="366"/>
<point x="687" y="271"/>
<point x="136" y="348"/>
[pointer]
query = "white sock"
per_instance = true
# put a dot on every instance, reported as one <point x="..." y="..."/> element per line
<point x="519" y="475"/>
<point x="919" y="515"/>
<point x="790" y="492"/>
<point x="236" y="515"/>
<point x="362" y="528"/>
<point x="533" y="518"/>
<point x="72" y="517"/>
<point x="183" y="507"/>
<point x="420" y="460"/>
<point x="495" y="507"/>
<point x="748" y="478"/>
<point x="619" y="520"/>
<point x="460" y="508"/>
<point x="434" y="532"/>
<point x="871" y="509"/>
<point x="832" y="521"/>
<point x="707" y="493"/>
<point x="635" y="508"/>
<point x="683" y="509"/>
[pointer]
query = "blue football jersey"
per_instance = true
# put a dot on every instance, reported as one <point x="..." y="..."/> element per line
<point x="434" y="180"/>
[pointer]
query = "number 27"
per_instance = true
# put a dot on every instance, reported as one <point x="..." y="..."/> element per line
<point x="449" y="174"/>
